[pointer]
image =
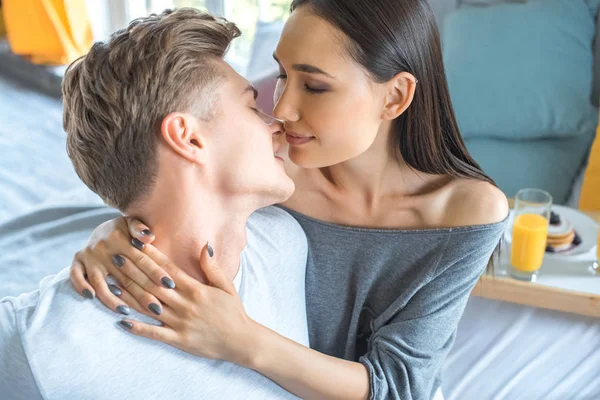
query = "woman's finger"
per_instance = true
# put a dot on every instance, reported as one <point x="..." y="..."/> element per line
<point x="131" y="301"/>
<point x="146" y="293"/>
<point x="77" y="277"/>
<point x="137" y="229"/>
<point x="214" y="274"/>
<point x="157" y="266"/>
<point x="166" y="314"/>
<point x="160" y="333"/>
<point x="126" y="297"/>
<point x="97" y="278"/>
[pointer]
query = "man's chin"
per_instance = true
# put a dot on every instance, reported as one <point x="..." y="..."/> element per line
<point x="284" y="190"/>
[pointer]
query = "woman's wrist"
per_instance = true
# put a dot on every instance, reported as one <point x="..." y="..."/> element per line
<point x="253" y="354"/>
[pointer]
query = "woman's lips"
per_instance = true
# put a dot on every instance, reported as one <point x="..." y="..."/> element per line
<point x="296" y="140"/>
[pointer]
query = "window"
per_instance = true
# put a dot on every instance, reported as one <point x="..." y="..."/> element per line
<point x="260" y="21"/>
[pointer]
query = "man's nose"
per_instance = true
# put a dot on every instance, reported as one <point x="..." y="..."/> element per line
<point x="275" y="125"/>
<point x="276" y="143"/>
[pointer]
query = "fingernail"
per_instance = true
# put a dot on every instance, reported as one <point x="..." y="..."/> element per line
<point x="211" y="252"/>
<point x="124" y="310"/>
<point x="118" y="260"/>
<point x="146" y="232"/>
<point x="126" y="325"/>
<point x="168" y="283"/>
<point x="137" y="244"/>
<point x="155" y="308"/>
<point x="114" y="290"/>
<point x="87" y="294"/>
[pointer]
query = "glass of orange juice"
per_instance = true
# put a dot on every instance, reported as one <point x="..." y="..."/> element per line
<point x="596" y="264"/>
<point x="529" y="234"/>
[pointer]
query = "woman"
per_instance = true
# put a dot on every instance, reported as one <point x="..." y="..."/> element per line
<point x="401" y="221"/>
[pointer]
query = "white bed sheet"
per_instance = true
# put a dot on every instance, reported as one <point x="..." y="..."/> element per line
<point x="505" y="351"/>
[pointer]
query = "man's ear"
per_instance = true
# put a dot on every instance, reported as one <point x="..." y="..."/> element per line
<point x="400" y="91"/>
<point x="185" y="135"/>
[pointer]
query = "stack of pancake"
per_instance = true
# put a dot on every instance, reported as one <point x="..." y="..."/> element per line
<point x="561" y="235"/>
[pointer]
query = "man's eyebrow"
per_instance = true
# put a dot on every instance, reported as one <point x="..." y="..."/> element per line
<point x="309" y="69"/>
<point x="251" y="89"/>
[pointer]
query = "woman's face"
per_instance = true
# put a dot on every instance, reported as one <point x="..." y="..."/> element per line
<point x="331" y="108"/>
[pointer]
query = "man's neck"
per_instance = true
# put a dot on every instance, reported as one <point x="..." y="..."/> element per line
<point x="182" y="228"/>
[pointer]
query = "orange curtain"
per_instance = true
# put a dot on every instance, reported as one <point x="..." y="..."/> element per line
<point x="53" y="32"/>
<point x="2" y="28"/>
<point x="590" y="192"/>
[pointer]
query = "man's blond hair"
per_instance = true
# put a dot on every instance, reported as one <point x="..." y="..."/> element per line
<point x="117" y="95"/>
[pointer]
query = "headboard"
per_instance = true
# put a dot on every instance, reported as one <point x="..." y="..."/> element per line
<point x="441" y="8"/>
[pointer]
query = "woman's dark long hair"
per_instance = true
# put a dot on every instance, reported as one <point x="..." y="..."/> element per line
<point x="392" y="36"/>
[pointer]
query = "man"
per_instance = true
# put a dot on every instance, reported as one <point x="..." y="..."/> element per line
<point x="162" y="128"/>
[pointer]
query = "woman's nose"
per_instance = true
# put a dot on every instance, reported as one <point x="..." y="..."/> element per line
<point x="284" y="109"/>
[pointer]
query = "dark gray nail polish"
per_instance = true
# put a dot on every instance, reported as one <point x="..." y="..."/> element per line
<point x="126" y="325"/>
<point x="118" y="260"/>
<point x="168" y="283"/>
<point x="114" y="290"/>
<point x="87" y="294"/>
<point x="211" y="252"/>
<point x="124" y="310"/>
<point x="146" y="232"/>
<point x="155" y="308"/>
<point x="137" y="244"/>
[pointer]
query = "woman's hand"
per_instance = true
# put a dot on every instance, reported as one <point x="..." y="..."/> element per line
<point x="206" y="320"/>
<point x="115" y="248"/>
<point x="209" y="320"/>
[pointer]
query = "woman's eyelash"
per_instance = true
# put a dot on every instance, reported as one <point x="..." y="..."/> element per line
<point x="306" y="87"/>
<point x="314" y="91"/>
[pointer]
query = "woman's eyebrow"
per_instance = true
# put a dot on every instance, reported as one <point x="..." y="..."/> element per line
<point x="308" y="68"/>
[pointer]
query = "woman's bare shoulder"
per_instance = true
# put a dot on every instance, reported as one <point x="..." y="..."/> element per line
<point x="472" y="202"/>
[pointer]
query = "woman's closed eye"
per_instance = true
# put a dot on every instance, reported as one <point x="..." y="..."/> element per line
<point x="314" y="90"/>
<point x="310" y="89"/>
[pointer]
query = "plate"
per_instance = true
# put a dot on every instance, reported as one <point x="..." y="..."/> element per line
<point x="586" y="228"/>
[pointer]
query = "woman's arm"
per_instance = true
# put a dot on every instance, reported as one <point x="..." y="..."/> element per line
<point x="306" y="372"/>
<point x="406" y="351"/>
<point x="210" y="321"/>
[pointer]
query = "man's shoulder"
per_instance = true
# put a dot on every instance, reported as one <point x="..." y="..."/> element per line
<point x="53" y="308"/>
<point x="16" y="378"/>
<point x="59" y="337"/>
<point x="277" y="227"/>
<point x="23" y="303"/>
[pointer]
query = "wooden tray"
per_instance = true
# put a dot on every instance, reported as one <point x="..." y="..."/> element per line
<point x="579" y="294"/>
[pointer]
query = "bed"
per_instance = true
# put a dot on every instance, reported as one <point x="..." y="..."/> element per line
<point x="46" y="213"/>
<point x="502" y="350"/>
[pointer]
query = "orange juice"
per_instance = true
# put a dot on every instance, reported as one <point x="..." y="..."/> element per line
<point x="529" y="236"/>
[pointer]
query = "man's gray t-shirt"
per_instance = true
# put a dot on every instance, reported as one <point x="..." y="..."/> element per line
<point x="54" y="344"/>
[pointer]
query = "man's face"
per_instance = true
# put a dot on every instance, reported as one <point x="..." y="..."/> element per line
<point x="243" y="144"/>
